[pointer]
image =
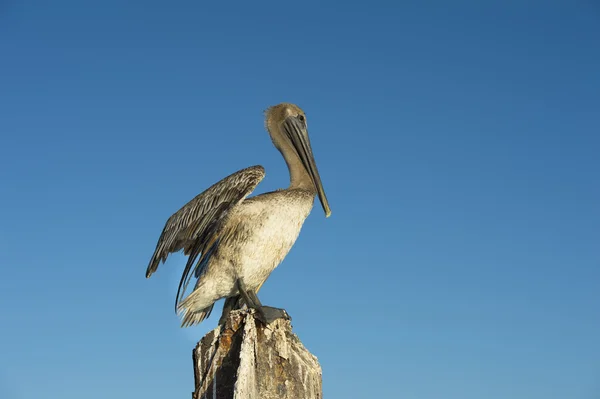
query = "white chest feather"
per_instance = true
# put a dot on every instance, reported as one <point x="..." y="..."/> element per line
<point x="265" y="228"/>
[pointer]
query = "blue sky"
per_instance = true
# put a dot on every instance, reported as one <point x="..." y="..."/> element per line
<point x="458" y="145"/>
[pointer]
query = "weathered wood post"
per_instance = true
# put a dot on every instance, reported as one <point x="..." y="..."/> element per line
<point x="246" y="360"/>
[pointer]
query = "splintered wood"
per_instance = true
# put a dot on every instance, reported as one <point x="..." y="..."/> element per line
<point x="245" y="360"/>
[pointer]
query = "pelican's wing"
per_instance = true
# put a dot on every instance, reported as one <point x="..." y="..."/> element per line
<point x="193" y="227"/>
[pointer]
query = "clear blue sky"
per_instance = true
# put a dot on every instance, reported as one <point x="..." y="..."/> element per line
<point x="458" y="144"/>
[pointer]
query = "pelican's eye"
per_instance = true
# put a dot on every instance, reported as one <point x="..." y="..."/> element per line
<point x="302" y="119"/>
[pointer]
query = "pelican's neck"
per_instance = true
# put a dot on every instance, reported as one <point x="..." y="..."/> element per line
<point x="299" y="177"/>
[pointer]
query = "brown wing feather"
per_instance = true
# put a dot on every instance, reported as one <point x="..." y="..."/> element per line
<point x="193" y="226"/>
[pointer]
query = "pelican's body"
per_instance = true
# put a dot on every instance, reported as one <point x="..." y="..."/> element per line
<point x="264" y="229"/>
<point x="236" y="242"/>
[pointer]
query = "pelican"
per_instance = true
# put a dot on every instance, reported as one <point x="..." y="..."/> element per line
<point x="233" y="243"/>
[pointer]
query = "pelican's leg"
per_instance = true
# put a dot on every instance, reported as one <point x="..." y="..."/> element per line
<point x="231" y="303"/>
<point x="269" y="313"/>
<point x="244" y="293"/>
<point x="266" y="314"/>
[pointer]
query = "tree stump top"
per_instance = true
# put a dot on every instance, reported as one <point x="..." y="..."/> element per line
<point x="244" y="359"/>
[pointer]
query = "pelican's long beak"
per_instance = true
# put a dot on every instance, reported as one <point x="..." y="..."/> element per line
<point x="298" y="134"/>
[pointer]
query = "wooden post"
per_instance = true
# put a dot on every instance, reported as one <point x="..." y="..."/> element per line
<point x="246" y="360"/>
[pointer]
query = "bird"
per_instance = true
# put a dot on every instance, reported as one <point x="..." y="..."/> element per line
<point x="233" y="242"/>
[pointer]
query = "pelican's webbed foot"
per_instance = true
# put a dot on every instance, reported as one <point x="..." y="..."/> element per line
<point x="268" y="314"/>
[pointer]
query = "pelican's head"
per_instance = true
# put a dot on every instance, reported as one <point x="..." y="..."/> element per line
<point x="287" y="126"/>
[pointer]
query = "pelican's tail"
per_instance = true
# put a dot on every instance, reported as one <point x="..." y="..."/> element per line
<point x="191" y="318"/>
<point x="192" y="311"/>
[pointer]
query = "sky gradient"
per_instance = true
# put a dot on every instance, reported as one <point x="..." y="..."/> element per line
<point x="458" y="146"/>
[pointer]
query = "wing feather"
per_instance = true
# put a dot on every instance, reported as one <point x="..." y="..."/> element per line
<point x="193" y="228"/>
